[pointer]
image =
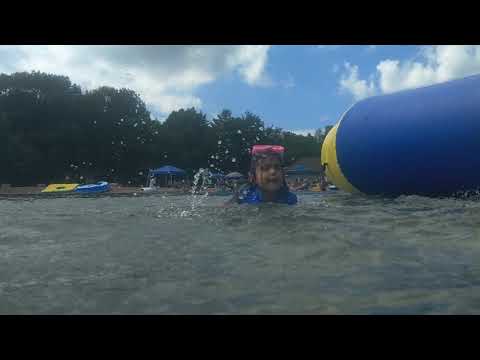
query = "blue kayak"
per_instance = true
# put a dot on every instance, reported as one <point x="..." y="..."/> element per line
<point x="99" y="187"/>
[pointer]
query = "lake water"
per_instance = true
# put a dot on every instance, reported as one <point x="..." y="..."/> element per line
<point x="333" y="253"/>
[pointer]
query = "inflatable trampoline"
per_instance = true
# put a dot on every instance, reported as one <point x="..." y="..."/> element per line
<point x="424" y="141"/>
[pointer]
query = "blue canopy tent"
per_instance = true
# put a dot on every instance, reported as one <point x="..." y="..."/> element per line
<point x="217" y="175"/>
<point x="167" y="171"/>
<point x="234" y="176"/>
<point x="234" y="179"/>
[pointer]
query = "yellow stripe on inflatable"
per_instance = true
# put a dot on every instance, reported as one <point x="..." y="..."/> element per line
<point x="330" y="161"/>
<point x="60" y="188"/>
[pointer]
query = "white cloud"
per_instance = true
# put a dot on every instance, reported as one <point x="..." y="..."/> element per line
<point x="350" y="82"/>
<point x="166" y="77"/>
<point x="250" y="62"/>
<point x="440" y="63"/>
<point x="304" y="132"/>
<point x="435" y="64"/>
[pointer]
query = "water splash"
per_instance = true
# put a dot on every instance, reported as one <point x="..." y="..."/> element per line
<point x="201" y="181"/>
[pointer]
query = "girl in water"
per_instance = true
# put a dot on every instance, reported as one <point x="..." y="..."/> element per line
<point x="266" y="178"/>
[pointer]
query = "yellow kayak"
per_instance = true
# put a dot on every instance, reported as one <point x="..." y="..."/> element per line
<point x="59" y="188"/>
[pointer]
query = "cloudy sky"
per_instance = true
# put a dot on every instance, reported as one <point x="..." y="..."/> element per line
<point x="298" y="88"/>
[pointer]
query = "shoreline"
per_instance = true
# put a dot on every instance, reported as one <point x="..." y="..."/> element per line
<point x="36" y="191"/>
<point x="125" y="190"/>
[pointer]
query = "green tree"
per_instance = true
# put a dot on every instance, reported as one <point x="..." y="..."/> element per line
<point x="50" y="129"/>
<point x="235" y="136"/>
<point x="189" y="141"/>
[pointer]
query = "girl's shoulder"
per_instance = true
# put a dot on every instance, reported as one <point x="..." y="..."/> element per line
<point x="247" y="193"/>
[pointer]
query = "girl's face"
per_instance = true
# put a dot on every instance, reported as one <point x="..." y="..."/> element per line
<point x="269" y="174"/>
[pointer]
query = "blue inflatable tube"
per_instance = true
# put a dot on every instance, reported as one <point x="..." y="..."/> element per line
<point x="99" y="187"/>
<point x="424" y="141"/>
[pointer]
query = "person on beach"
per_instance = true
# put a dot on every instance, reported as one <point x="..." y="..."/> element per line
<point x="266" y="181"/>
<point x="153" y="181"/>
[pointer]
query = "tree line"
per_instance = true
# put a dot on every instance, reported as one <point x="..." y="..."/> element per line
<point x="52" y="131"/>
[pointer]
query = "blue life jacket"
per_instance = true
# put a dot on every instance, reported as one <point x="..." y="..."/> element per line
<point x="252" y="195"/>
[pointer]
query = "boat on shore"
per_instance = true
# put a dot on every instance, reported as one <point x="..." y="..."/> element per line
<point x="100" y="187"/>
<point x="55" y="188"/>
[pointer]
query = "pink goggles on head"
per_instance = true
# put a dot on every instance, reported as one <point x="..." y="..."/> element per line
<point x="258" y="149"/>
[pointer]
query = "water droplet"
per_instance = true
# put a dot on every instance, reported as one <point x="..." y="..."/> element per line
<point x="219" y="142"/>
<point x="239" y="131"/>
<point x="243" y="139"/>
<point x="94" y="121"/>
<point x="216" y="157"/>
<point x="211" y="165"/>
<point x="81" y="177"/>
<point x="233" y="159"/>
<point x="135" y="125"/>
<point x="226" y="151"/>
<point x="213" y="157"/>
<point x="113" y="142"/>
<point x="165" y="156"/>
<point x="140" y="173"/>
<point x="113" y="170"/>
<point x="121" y="120"/>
